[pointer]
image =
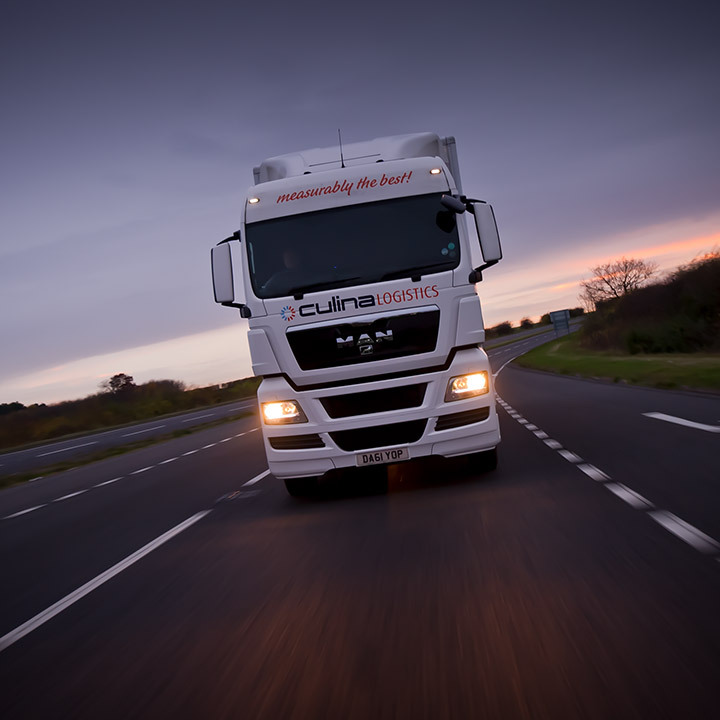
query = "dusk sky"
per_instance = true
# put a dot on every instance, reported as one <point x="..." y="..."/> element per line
<point x="130" y="130"/>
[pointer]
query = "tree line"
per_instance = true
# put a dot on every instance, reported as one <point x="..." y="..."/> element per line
<point x="635" y="311"/>
<point x="120" y="401"/>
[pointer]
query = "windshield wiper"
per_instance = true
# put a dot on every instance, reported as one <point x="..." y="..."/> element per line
<point x="301" y="290"/>
<point x="412" y="272"/>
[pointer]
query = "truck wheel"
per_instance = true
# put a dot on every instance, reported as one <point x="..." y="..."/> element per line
<point x="483" y="462"/>
<point x="301" y="487"/>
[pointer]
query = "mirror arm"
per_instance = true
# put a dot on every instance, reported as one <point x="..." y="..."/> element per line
<point x="476" y="274"/>
<point x="234" y="236"/>
<point x="244" y="309"/>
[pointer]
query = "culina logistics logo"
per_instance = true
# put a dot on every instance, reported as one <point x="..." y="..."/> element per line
<point x="288" y="313"/>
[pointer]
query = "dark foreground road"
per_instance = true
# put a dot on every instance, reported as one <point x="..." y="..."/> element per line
<point x="579" y="580"/>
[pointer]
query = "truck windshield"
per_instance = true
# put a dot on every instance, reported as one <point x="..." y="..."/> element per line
<point x="352" y="245"/>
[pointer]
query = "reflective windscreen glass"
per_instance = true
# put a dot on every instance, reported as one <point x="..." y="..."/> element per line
<point x="352" y="245"/>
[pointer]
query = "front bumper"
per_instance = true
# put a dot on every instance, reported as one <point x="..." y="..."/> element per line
<point x="331" y="439"/>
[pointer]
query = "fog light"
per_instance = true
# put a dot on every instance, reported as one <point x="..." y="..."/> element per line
<point x="279" y="413"/>
<point x="466" y="386"/>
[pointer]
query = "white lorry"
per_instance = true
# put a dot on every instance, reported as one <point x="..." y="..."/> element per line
<point x="357" y="274"/>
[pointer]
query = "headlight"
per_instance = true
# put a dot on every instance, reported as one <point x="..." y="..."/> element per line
<point x="280" y="413"/>
<point x="466" y="386"/>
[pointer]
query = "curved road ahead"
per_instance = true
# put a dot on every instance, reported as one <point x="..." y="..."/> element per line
<point x="579" y="580"/>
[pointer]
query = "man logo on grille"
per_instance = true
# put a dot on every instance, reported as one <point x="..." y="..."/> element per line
<point x="365" y="342"/>
<point x="288" y="313"/>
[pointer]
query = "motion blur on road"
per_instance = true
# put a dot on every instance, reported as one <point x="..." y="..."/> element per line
<point x="581" y="579"/>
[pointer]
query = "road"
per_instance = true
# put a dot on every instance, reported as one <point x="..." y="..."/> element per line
<point x="78" y="446"/>
<point x="581" y="579"/>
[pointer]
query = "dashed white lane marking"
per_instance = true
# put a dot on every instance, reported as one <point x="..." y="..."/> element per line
<point x="108" y="482"/>
<point x="198" y="417"/>
<point x="140" y="432"/>
<point x="673" y="524"/>
<point x="592" y="472"/>
<point x="570" y="456"/>
<point x="24" y="512"/>
<point x="69" y="495"/>
<point x="257" y="478"/>
<point x="41" y="618"/>
<point x="691" y="535"/>
<point x="531" y="427"/>
<point x="682" y="421"/>
<point x="135" y="472"/>
<point x="73" y="447"/>
<point x="629" y="496"/>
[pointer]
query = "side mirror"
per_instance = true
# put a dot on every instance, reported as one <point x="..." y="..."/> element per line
<point x="487" y="232"/>
<point x="227" y="285"/>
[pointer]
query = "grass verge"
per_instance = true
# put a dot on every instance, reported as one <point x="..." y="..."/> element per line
<point x="64" y="465"/>
<point x="681" y="371"/>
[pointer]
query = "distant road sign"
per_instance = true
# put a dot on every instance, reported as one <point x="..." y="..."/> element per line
<point x="561" y="322"/>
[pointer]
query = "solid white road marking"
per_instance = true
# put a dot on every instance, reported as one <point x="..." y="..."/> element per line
<point x="142" y="470"/>
<point x="205" y="447"/>
<point x="41" y="618"/>
<point x="169" y="460"/>
<point x="69" y="495"/>
<point x="74" y="447"/>
<point x="691" y="535"/>
<point x="257" y="478"/>
<point x="224" y="440"/>
<point x="23" y="512"/>
<point x="198" y="417"/>
<point x="682" y="421"/>
<point x="140" y="432"/>
<point x="189" y="452"/>
<point x="629" y="496"/>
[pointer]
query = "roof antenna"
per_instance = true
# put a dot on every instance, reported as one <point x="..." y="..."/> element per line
<point x="342" y="160"/>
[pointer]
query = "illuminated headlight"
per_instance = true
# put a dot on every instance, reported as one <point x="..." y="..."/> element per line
<point x="466" y="386"/>
<point x="254" y="200"/>
<point x="279" y="413"/>
<point x="435" y="171"/>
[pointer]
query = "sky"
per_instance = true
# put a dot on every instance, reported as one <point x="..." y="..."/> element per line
<point x="130" y="130"/>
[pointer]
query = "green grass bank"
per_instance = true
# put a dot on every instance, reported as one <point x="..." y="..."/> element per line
<point x="687" y="371"/>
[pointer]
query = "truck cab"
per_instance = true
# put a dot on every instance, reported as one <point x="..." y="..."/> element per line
<point x="357" y="274"/>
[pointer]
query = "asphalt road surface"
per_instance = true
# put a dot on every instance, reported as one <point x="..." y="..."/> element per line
<point x="76" y="447"/>
<point x="581" y="579"/>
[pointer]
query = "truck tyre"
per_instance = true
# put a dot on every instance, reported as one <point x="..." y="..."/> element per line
<point x="483" y="462"/>
<point x="301" y="487"/>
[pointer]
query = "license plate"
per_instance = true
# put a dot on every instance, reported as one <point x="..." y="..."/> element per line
<point x="378" y="457"/>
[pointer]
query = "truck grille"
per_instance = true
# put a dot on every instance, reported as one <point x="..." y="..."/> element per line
<point x="374" y="401"/>
<point x="379" y="436"/>
<point x="366" y="339"/>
